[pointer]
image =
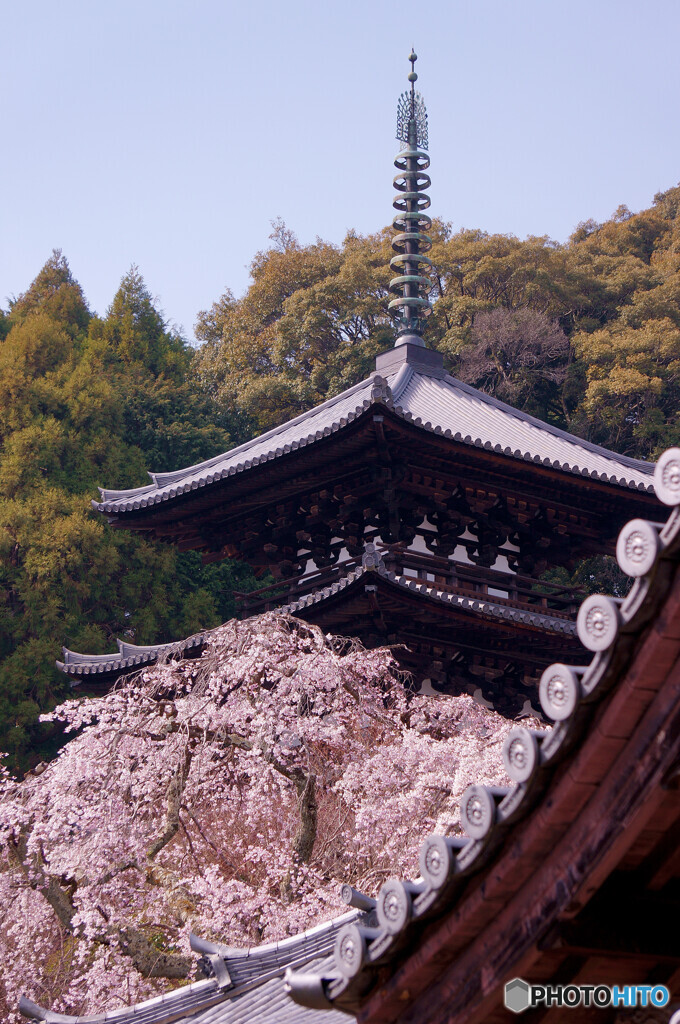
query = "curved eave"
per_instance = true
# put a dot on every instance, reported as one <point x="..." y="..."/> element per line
<point x="600" y="778"/>
<point x="617" y="471"/>
<point x="212" y="473"/>
<point x="497" y="611"/>
<point x="130" y="656"/>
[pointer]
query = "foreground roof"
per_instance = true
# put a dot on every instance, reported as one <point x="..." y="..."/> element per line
<point x="412" y="383"/>
<point x="544" y="883"/>
<point x="245" y="985"/>
<point x="567" y="875"/>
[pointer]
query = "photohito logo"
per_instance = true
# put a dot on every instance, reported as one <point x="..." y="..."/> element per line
<point x="520" y="995"/>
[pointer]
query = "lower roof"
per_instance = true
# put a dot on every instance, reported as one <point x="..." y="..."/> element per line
<point x="495" y="609"/>
<point x="245" y="985"/>
<point x="597" y="798"/>
<point x="103" y="669"/>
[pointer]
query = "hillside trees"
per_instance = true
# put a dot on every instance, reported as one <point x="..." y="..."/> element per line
<point x="632" y="360"/>
<point x="229" y="796"/>
<point x="85" y="401"/>
<point x="583" y="334"/>
<point x="309" y="326"/>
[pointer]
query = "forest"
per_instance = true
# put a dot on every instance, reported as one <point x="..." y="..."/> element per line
<point x="585" y="335"/>
<point x="230" y="795"/>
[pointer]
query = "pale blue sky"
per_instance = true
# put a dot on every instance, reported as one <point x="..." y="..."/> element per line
<point x="169" y="134"/>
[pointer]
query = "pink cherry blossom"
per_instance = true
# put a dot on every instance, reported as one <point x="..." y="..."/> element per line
<point x="229" y="795"/>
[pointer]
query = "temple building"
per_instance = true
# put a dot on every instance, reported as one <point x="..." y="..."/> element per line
<point x="414" y="509"/>
<point x="570" y="877"/>
<point x="411" y="509"/>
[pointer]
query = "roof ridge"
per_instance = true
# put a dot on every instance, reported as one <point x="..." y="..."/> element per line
<point x="401" y="381"/>
<point x="160" y="480"/>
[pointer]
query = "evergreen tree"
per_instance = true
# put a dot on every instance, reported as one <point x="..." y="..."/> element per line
<point x="85" y="401"/>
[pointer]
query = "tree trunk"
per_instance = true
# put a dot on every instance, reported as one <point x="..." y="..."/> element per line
<point x="150" y="961"/>
<point x="303" y="844"/>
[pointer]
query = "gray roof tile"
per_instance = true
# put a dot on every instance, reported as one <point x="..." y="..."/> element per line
<point x="436" y="403"/>
<point x="493" y="608"/>
<point x="256" y="993"/>
<point x="129" y="656"/>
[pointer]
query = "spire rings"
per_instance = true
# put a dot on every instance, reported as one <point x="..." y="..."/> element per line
<point x="410" y="257"/>
<point x="421" y="201"/>
<point x="411" y="220"/>
<point x="413" y="302"/>
<point x="397" y="282"/>
<point x="400" y="241"/>
<point x="401" y="160"/>
<point x="411" y="285"/>
<point x="413" y="180"/>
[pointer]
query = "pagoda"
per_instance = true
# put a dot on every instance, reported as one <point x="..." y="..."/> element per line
<point x="411" y="509"/>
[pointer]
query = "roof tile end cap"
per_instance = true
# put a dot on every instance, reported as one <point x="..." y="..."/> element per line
<point x="307" y="989"/>
<point x="35" y="1012"/>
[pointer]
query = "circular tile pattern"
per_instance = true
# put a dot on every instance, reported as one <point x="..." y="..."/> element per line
<point x="520" y="754"/>
<point x="350" y="950"/>
<point x="436" y="861"/>
<point x="667" y="477"/>
<point x="394" y="906"/>
<point x="477" y="811"/>
<point x="637" y="547"/>
<point x="559" y="691"/>
<point x="598" y="622"/>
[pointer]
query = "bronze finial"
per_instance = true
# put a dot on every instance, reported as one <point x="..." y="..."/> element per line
<point x="410" y="244"/>
<point x="411" y="112"/>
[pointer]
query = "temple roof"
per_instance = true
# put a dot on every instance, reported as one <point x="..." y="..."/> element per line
<point x="412" y="383"/>
<point x="492" y="608"/>
<point x="566" y="873"/>
<point x="129" y="656"/>
<point x="246" y="985"/>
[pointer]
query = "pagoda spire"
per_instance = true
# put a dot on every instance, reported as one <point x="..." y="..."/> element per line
<point x="410" y="243"/>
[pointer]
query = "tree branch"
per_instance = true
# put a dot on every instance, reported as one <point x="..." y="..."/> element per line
<point x="173" y="796"/>
<point x="150" y="961"/>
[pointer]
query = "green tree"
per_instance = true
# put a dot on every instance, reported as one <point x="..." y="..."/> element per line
<point x="310" y="325"/>
<point x="632" y="359"/>
<point x="85" y="401"/>
<point x="56" y="294"/>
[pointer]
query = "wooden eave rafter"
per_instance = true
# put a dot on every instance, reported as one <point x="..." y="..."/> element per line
<point x="428" y="630"/>
<point x="324" y="464"/>
<point x="604" y="801"/>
